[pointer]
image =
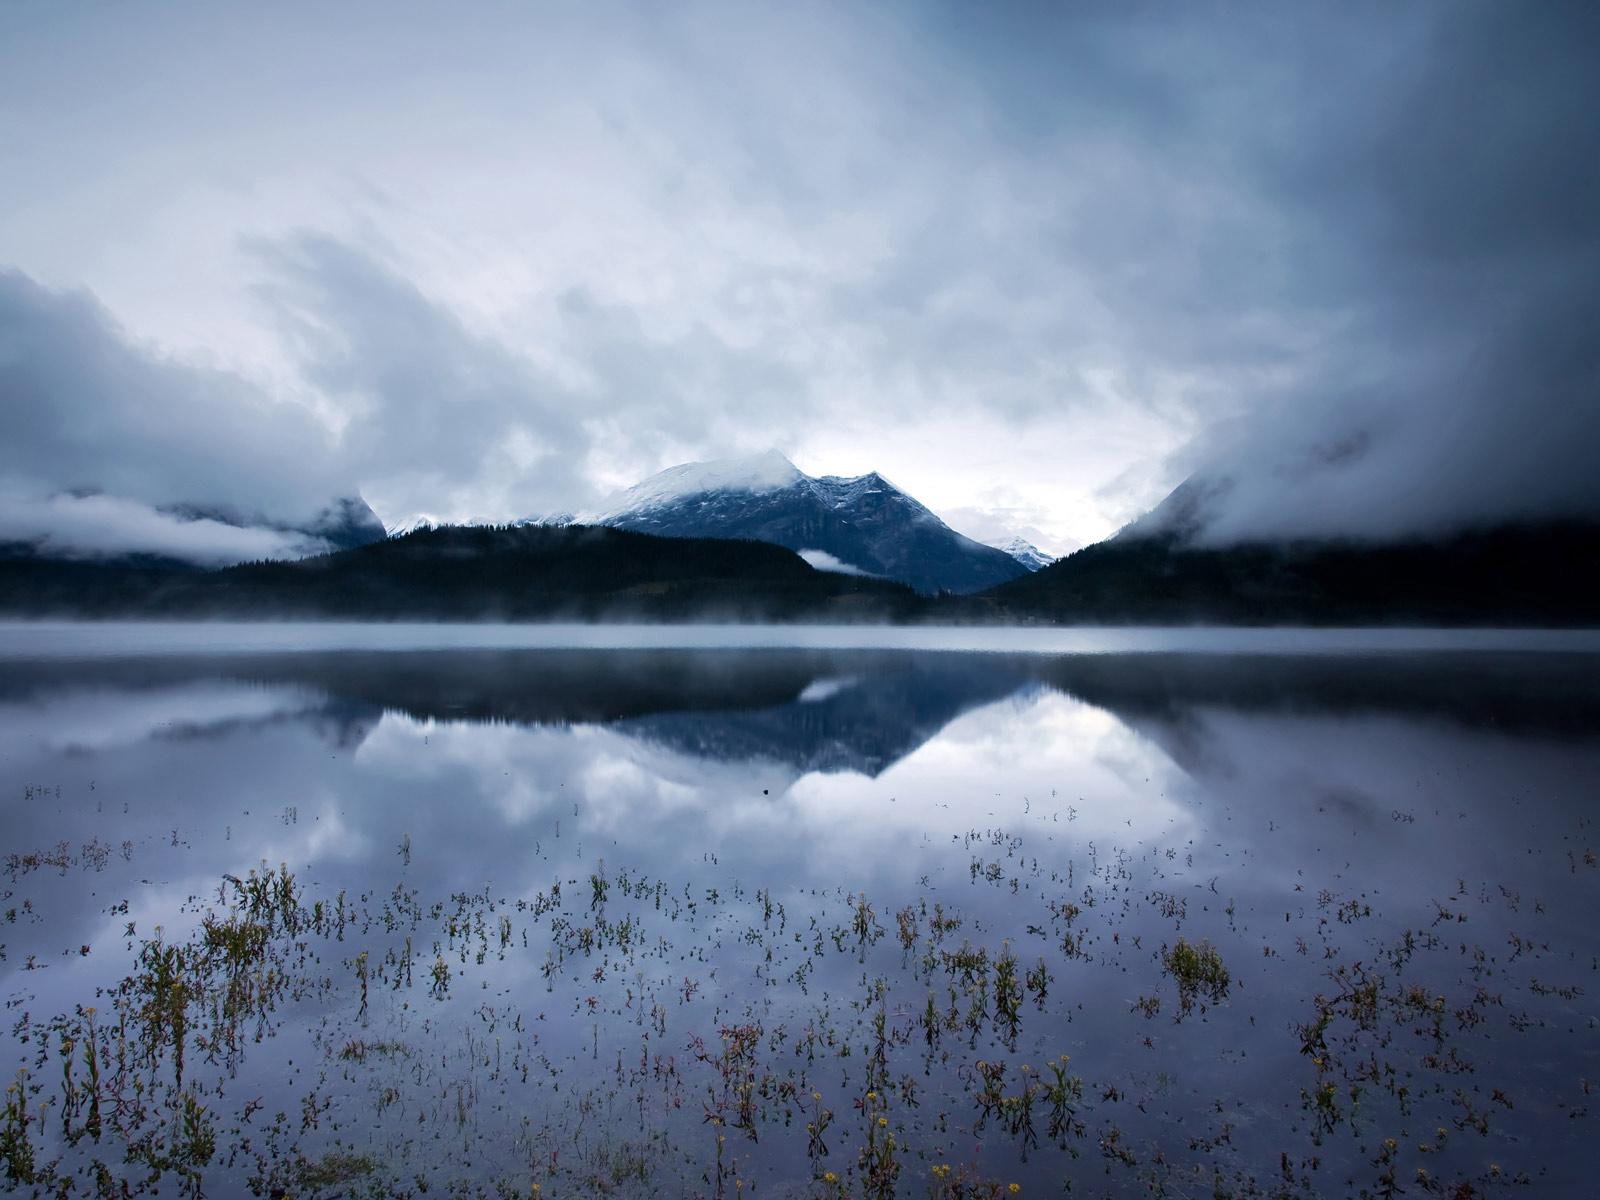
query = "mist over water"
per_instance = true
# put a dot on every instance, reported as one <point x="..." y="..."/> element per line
<point x="643" y="869"/>
<point x="26" y="639"/>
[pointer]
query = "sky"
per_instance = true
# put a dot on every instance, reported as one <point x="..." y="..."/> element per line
<point x="1035" y="264"/>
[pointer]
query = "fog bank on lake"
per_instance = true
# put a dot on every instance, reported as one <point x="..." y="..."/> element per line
<point x="90" y="638"/>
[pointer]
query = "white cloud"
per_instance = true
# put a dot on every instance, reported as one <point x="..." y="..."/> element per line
<point x="823" y="561"/>
<point x="102" y="526"/>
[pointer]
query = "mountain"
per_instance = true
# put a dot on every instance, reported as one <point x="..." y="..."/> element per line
<point x="346" y="523"/>
<point x="516" y="573"/>
<point x="1161" y="570"/>
<point x="415" y="525"/>
<point x="863" y="524"/>
<point x="1025" y="552"/>
<point x="342" y="524"/>
<point x="865" y="717"/>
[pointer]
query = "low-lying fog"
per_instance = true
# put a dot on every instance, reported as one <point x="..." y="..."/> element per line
<point x="27" y="639"/>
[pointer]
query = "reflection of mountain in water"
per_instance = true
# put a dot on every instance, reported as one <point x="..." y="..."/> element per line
<point x="344" y="724"/>
<point x="808" y="710"/>
<point x="1165" y="696"/>
<point x="864" y="722"/>
<point x="1547" y="693"/>
<point x="847" y="710"/>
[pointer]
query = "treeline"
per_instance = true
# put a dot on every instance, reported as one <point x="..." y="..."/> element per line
<point x="1533" y="575"/>
<point x="1526" y="575"/>
<point x="472" y="573"/>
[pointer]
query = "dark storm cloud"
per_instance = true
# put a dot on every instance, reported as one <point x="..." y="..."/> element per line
<point x="1451" y="215"/>
<point x="1367" y="238"/>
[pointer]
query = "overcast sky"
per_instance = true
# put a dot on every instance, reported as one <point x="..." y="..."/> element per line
<point x="1034" y="263"/>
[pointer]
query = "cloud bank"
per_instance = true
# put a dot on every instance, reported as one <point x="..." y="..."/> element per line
<point x="1037" y="264"/>
<point x="87" y="408"/>
<point x="821" y="560"/>
<point x="97" y="526"/>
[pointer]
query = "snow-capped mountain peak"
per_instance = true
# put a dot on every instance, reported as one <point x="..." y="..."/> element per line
<point x="855" y="524"/>
<point x="842" y="491"/>
<point x="1025" y="552"/>
<point x="768" y="472"/>
<point x="420" y="523"/>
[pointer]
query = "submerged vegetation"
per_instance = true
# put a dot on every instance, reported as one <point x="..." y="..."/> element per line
<point x="317" y="1045"/>
<point x="1198" y="972"/>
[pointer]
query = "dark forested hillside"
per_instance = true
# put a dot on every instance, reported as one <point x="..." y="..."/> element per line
<point x="1530" y="575"/>
<point x="472" y="573"/>
<point x="1545" y="574"/>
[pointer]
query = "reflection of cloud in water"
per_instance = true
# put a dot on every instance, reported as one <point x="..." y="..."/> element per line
<point x="527" y="773"/>
<point x="319" y="834"/>
<point x="1041" y="750"/>
<point x="1052" y="762"/>
<point x="104" y="718"/>
<point x="1046" y="759"/>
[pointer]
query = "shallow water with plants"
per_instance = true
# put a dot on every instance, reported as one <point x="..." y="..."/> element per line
<point x="800" y="922"/>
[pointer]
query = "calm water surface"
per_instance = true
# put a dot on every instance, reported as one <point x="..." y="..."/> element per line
<point x="1182" y="916"/>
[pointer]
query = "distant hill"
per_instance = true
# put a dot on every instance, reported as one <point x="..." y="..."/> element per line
<point x="862" y="523"/>
<point x="470" y="573"/>
<point x="1159" y="571"/>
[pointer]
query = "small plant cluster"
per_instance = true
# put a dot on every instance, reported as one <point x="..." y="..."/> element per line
<point x="1199" y="972"/>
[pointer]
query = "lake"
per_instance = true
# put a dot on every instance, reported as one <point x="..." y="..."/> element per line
<point x="549" y="912"/>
